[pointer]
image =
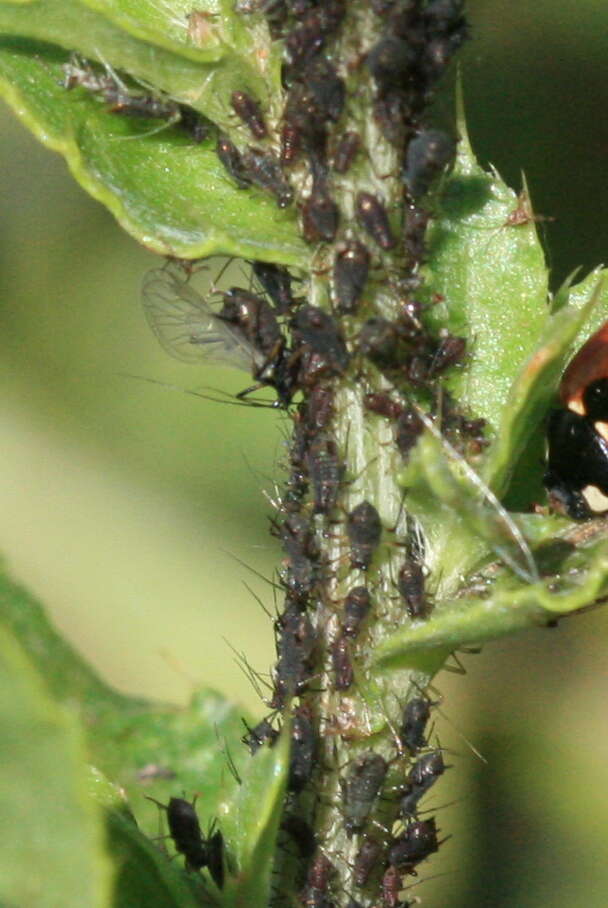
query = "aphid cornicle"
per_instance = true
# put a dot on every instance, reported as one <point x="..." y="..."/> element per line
<point x="577" y="434"/>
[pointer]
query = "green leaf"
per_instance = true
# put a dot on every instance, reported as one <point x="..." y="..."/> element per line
<point x="508" y="606"/>
<point x="170" y="194"/>
<point x="148" y="748"/>
<point x="250" y="823"/>
<point x="492" y="278"/>
<point x="52" y="849"/>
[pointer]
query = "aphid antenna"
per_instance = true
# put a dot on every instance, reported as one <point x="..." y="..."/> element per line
<point x="255" y="678"/>
<point x="258" y="600"/>
<point x="225" y="399"/>
<point x="225" y="750"/>
<point x="276" y="586"/>
<point x="529" y="573"/>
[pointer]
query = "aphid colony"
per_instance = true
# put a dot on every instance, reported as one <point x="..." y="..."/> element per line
<point x="309" y="158"/>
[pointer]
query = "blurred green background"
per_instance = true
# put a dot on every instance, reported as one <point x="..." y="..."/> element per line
<point x="123" y="503"/>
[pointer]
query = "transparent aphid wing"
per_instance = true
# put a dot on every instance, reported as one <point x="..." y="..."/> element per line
<point x="186" y="326"/>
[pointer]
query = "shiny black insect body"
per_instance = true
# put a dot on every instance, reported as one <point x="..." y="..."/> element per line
<point x="410" y="583"/>
<point x="232" y="160"/>
<point x="364" y="529"/>
<point x="188" y="839"/>
<point x="325" y="470"/>
<point x="361" y="788"/>
<point x="422" y="776"/>
<point x="249" y="111"/>
<point x="276" y="282"/>
<point x="341" y="663"/>
<point x="264" y="171"/>
<point x="366" y="861"/>
<point x="351" y="268"/>
<point x="356" y="608"/>
<point x="417" y="842"/>
<point x="416" y="715"/>
<point x="346" y="151"/>
<point x="372" y="216"/>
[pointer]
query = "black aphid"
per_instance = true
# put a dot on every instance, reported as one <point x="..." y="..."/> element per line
<point x="426" y="157"/>
<point x="415" y="717"/>
<point x="390" y="62"/>
<point x="314" y="894"/>
<point x="417" y="842"/>
<point x="409" y="428"/>
<point x="364" y="529"/>
<point x="372" y="216"/>
<point x="410" y="583"/>
<point x="383" y="404"/>
<point x="422" y="776"/>
<point x="361" y="788"/>
<point x="366" y="861"/>
<point x="264" y="170"/>
<point x="351" y="268"/>
<point x="316" y="329"/>
<point x="261" y="734"/>
<point x="356" y="608"/>
<point x="188" y="839"/>
<point x="318" y="411"/>
<point x="320" y="216"/>
<point x="325" y="470"/>
<point x="232" y="160"/>
<point x="341" y="663"/>
<point x="297" y="536"/>
<point x="450" y="351"/>
<point x="276" y="282"/>
<point x="296" y="640"/>
<point x="346" y="151"/>
<point x="250" y="112"/>
<point x="303" y="750"/>
<point x="324" y="89"/>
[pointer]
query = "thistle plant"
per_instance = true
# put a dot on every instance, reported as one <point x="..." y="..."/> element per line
<point x="398" y="311"/>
